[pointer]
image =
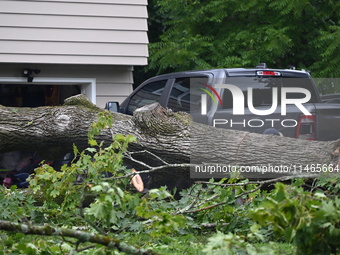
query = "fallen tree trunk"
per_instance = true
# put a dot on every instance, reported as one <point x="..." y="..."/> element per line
<point x="52" y="131"/>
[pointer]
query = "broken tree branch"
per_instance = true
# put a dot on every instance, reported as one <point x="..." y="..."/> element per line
<point x="81" y="236"/>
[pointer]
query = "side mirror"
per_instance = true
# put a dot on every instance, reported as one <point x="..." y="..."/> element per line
<point x="112" y="106"/>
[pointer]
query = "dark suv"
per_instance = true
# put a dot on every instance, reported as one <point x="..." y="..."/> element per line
<point x="178" y="92"/>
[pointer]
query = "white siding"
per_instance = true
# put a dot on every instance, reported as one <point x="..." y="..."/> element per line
<point x="104" y="32"/>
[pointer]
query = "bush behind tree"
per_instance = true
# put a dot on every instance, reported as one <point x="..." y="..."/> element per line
<point x="227" y="33"/>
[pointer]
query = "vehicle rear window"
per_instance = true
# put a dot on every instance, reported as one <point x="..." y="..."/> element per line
<point x="262" y="89"/>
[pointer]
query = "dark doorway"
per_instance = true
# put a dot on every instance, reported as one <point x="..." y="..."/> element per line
<point x="30" y="95"/>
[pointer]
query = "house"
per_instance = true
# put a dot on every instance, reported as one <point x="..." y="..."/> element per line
<point x="53" y="49"/>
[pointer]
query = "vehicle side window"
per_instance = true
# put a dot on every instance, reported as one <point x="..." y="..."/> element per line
<point x="182" y="98"/>
<point x="150" y="93"/>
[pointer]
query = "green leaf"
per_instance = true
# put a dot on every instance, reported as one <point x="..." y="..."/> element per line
<point x="92" y="150"/>
<point x="93" y="142"/>
<point x="98" y="210"/>
<point x="120" y="214"/>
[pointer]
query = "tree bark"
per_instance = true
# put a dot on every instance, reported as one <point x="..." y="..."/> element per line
<point x="174" y="137"/>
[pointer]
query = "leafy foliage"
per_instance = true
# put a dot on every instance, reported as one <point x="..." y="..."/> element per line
<point x="311" y="221"/>
<point x="17" y="205"/>
<point x="204" y="34"/>
<point x="93" y="197"/>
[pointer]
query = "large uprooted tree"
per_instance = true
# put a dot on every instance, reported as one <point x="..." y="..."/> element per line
<point x="166" y="140"/>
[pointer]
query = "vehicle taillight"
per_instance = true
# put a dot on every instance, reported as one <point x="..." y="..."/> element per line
<point x="306" y="127"/>
<point x="270" y="73"/>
